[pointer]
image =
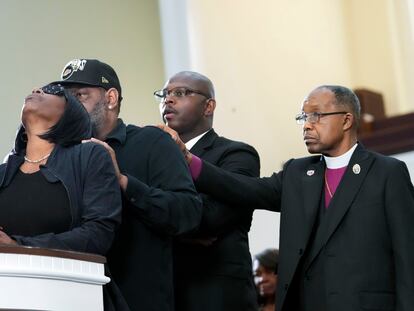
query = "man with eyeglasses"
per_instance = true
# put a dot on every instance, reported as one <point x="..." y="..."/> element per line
<point x="347" y="214"/>
<point x="212" y="266"/>
<point x="159" y="199"/>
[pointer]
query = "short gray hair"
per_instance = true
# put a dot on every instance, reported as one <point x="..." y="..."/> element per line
<point x="347" y="98"/>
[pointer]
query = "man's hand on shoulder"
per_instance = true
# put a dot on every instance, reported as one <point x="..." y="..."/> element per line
<point x="174" y="135"/>
<point x="122" y="179"/>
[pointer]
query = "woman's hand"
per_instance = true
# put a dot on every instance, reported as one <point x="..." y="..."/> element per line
<point x="5" y="239"/>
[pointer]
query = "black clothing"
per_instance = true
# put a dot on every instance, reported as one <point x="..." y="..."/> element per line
<point x="27" y="197"/>
<point x="87" y="173"/>
<point x="219" y="276"/>
<point x="160" y="201"/>
<point x="360" y="255"/>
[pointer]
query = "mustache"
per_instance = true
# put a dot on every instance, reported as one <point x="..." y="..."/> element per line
<point x="168" y="110"/>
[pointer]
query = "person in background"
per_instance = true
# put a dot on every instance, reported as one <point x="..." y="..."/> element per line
<point x="159" y="198"/>
<point x="265" y="266"/>
<point x="346" y="227"/>
<point x="213" y="264"/>
<point x="54" y="191"/>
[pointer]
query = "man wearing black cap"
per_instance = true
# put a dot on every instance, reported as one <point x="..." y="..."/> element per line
<point x="159" y="199"/>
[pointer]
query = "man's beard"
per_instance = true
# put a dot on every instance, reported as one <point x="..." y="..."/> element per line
<point x="97" y="116"/>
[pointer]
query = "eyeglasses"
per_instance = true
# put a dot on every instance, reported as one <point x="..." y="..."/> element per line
<point x="314" y="117"/>
<point x="53" y="89"/>
<point x="177" y="92"/>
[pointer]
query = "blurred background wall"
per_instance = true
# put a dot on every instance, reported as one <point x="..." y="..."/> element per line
<point x="263" y="57"/>
<point x="39" y="37"/>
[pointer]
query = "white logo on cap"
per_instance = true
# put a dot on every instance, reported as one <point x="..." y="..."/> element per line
<point x="73" y="66"/>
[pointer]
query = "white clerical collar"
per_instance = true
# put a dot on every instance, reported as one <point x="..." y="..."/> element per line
<point x="340" y="161"/>
<point x="190" y="144"/>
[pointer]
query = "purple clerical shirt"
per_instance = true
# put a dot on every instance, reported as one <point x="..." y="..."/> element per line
<point x="333" y="177"/>
<point x="195" y="167"/>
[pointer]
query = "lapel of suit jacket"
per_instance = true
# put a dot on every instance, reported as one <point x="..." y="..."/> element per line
<point x="204" y="143"/>
<point x="312" y="181"/>
<point x="342" y="200"/>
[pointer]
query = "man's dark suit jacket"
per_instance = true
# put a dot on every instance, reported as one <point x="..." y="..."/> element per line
<point x="358" y="254"/>
<point x="219" y="276"/>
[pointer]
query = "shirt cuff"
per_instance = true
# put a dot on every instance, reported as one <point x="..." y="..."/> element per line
<point x="135" y="189"/>
<point x="195" y="167"/>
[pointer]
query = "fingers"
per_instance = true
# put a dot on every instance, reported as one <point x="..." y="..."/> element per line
<point x="100" y="142"/>
<point x="5" y="239"/>
<point x="174" y="135"/>
<point x="122" y="179"/>
<point x="94" y="140"/>
<point x="170" y="131"/>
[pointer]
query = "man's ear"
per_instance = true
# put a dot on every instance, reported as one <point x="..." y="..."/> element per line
<point x="349" y="121"/>
<point x="112" y="97"/>
<point x="209" y="107"/>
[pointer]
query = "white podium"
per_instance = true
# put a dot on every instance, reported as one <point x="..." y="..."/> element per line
<point x="46" y="279"/>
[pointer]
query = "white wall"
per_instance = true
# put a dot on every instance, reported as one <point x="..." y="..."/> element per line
<point x="265" y="56"/>
<point x="39" y="37"/>
<point x="381" y="46"/>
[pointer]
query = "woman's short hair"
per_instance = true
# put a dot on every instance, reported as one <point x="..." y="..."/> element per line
<point x="269" y="258"/>
<point x="73" y="127"/>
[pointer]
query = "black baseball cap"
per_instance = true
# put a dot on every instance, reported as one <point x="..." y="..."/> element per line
<point x="90" y="72"/>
